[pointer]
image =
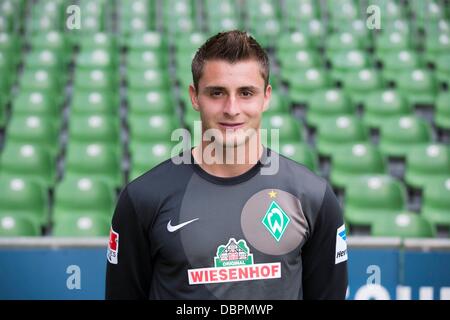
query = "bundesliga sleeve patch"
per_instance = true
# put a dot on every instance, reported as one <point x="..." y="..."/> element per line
<point x="341" y="245"/>
<point x="113" y="247"/>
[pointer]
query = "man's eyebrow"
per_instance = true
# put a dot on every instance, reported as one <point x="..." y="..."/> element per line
<point x="211" y="88"/>
<point x="250" y="88"/>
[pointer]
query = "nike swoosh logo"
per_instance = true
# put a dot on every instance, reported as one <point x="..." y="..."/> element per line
<point x="172" y="228"/>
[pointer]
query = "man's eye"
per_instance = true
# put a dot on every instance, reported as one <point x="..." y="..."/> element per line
<point x="216" y="93"/>
<point x="246" y="93"/>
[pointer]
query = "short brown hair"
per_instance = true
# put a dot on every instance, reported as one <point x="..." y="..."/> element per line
<point x="231" y="46"/>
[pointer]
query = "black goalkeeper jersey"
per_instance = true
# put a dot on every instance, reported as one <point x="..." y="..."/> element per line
<point x="181" y="233"/>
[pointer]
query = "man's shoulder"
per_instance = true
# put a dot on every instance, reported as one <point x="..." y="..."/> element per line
<point x="304" y="183"/>
<point x="168" y="172"/>
<point x="297" y="170"/>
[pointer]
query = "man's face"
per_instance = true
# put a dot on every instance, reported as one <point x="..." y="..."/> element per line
<point x="231" y="99"/>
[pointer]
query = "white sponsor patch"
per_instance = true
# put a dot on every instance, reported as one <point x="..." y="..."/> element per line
<point x="341" y="245"/>
<point x="113" y="247"/>
<point x="239" y="273"/>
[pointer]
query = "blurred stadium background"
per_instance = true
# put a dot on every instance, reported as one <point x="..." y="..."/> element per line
<point x="84" y="111"/>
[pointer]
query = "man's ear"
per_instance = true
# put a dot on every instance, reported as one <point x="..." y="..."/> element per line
<point x="267" y="96"/>
<point x="194" y="97"/>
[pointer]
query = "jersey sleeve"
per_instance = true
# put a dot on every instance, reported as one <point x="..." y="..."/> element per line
<point x="324" y="255"/>
<point x="128" y="271"/>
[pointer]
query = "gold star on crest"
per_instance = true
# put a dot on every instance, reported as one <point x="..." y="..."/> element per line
<point x="272" y="194"/>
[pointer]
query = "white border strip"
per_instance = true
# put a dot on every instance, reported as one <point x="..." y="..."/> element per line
<point x="53" y="242"/>
<point x="427" y="244"/>
<point x="99" y="242"/>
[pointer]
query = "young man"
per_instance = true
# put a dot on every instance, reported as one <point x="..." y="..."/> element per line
<point x="215" y="229"/>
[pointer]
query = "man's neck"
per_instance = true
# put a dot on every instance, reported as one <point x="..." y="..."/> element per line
<point x="227" y="162"/>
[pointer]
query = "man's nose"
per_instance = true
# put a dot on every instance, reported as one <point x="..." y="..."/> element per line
<point x="231" y="107"/>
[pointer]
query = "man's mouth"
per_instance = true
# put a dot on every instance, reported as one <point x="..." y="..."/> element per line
<point x="231" y="125"/>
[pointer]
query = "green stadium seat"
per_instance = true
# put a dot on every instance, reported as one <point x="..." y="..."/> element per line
<point x="315" y="28"/>
<point x="436" y="202"/>
<point x="94" y="160"/>
<point x="303" y="83"/>
<point x="442" y="114"/>
<point x="146" y="102"/>
<point x="21" y="197"/>
<point x="343" y="62"/>
<point x="266" y="30"/>
<point x="28" y="161"/>
<point x="181" y="25"/>
<point x="404" y="225"/>
<point x="146" y="60"/>
<point x="397" y="62"/>
<point x="335" y="133"/>
<point x="344" y="41"/>
<point x="81" y="226"/>
<point x="45" y="59"/>
<point x="426" y="12"/>
<point x="218" y="24"/>
<point x="133" y="24"/>
<point x="357" y="28"/>
<point x="99" y="40"/>
<point x="399" y="25"/>
<point x="418" y="86"/>
<point x="5" y="24"/>
<point x="41" y="79"/>
<point x="53" y="40"/>
<point x="158" y="127"/>
<point x="390" y="9"/>
<point x="38" y="103"/>
<point x="145" y="156"/>
<point x="190" y="117"/>
<point x="42" y="23"/>
<point x="304" y="10"/>
<point x="145" y="79"/>
<point x="442" y="71"/>
<point x="90" y="24"/>
<point x="372" y="198"/>
<point x="301" y="153"/>
<point x="293" y="61"/>
<point x="9" y="42"/>
<point x="148" y="40"/>
<point x="81" y="195"/>
<point x="96" y="58"/>
<point x="289" y="128"/>
<point x="278" y="103"/>
<point x="183" y="61"/>
<point x="384" y="104"/>
<point x="353" y="161"/>
<point x="135" y="8"/>
<point x="190" y="42"/>
<point x="436" y="44"/>
<point x="425" y="163"/>
<point x="37" y="130"/>
<point x="328" y="103"/>
<point x="8" y="70"/>
<point x="391" y="41"/>
<point x="295" y="41"/>
<point x="13" y="226"/>
<point x="95" y="128"/>
<point x="95" y="102"/>
<point x="95" y="79"/>
<point x="178" y="10"/>
<point x="398" y="136"/>
<point x="184" y="78"/>
<point x="2" y="111"/>
<point x="224" y="8"/>
<point x="361" y="83"/>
